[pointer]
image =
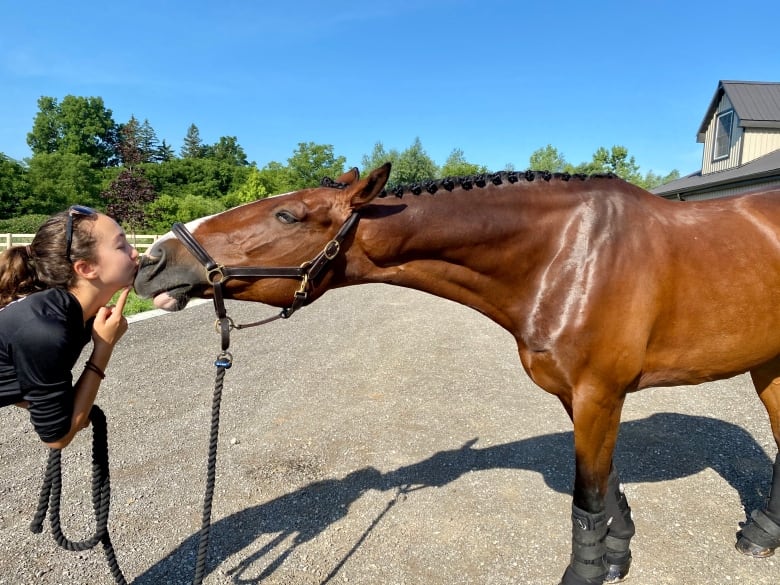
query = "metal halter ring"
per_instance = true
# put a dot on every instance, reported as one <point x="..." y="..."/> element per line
<point x="216" y="274"/>
<point x="218" y="324"/>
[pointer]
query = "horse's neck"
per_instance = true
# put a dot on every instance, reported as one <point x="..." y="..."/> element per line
<point x="477" y="249"/>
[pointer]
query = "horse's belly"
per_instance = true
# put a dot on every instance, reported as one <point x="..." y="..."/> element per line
<point x="707" y="361"/>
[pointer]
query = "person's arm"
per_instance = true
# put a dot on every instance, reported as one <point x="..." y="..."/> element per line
<point x="108" y="328"/>
<point x="86" y="390"/>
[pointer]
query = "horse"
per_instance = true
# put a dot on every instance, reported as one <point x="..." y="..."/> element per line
<point x="606" y="288"/>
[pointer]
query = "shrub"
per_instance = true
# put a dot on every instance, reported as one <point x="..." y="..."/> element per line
<point x="25" y="224"/>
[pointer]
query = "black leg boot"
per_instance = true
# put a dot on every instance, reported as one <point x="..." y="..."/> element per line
<point x="761" y="535"/>
<point x="620" y="529"/>
<point x="587" y="565"/>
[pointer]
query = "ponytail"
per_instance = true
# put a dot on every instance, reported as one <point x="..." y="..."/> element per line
<point x="18" y="276"/>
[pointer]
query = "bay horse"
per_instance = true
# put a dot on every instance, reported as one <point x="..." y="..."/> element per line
<point x="606" y="288"/>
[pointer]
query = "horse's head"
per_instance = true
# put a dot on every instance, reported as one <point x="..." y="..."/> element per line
<point x="283" y="231"/>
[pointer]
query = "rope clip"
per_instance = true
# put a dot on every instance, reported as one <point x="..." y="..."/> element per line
<point x="224" y="360"/>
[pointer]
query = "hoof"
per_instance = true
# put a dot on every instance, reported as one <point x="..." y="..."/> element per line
<point x="751" y="549"/>
<point x="616" y="573"/>
<point x="572" y="578"/>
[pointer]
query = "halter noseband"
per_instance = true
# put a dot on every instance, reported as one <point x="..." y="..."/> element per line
<point x="218" y="274"/>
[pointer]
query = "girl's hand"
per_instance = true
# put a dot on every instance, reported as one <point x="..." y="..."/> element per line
<point x="110" y="325"/>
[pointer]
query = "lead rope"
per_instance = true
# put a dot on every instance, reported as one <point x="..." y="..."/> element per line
<point x="51" y="494"/>
<point x="223" y="362"/>
<point x="51" y="490"/>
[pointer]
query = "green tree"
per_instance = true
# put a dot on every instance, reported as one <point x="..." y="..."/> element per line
<point x="60" y="179"/>
<point x="615" y="160"/>
<point x="651" y="179"/>
<point x="80" y="126"/>
<point x="167" y="210"/>
<point x="276" y="178"/>
<point x="547" y="159"/>
<point x="164" y="153"/>
<point x="193" y="145"/>
<point x="147" y="142"/>
<point x="414" y="165"/>
<point x="14" y="187"/>
<point x="228" y="150"/>
<point x="252" y="189"/>
<point x="129" y="143"/>
<point x="205" y="177"/>
<point x="456" y="165"/>
<point x="311" y="162"/>
<point x="378" y="157"/>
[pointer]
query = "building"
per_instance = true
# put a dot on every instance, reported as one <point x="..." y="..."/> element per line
<point x="741" y="136"/>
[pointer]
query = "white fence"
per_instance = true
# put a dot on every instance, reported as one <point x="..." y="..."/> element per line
<point x="141" y="241"/>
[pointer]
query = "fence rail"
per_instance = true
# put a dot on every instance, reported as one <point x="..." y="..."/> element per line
<point x="141" y="241"/>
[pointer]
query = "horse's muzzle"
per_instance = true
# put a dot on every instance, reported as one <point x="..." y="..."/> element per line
<point x="170" y="285"/>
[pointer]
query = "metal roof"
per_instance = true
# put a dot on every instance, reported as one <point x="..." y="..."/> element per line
<point x="757" y="104"/>
<point x="760" y="168"/>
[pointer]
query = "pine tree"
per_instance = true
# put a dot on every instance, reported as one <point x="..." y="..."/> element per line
<point x="147" y="142"/>
<point x="193" y="146"/>
<point x="164" y="153"/>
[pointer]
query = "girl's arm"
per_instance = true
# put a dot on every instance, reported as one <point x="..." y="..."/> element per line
<point x="109" y="326"/>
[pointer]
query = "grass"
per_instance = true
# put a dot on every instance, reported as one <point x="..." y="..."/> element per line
<point x="135" y="304"/>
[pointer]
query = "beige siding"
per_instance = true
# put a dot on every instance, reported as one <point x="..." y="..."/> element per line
<point x="758" y="142"/>
<point x="726" y="191"/>
<point x="710" y="166"/>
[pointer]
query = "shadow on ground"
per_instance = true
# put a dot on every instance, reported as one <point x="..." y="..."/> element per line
<point x="661" y="447"/>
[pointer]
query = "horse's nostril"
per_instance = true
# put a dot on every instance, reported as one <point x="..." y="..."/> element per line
<point x="152" y="265"/>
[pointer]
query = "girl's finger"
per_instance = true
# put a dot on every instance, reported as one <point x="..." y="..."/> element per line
<point x="122" y="299"/>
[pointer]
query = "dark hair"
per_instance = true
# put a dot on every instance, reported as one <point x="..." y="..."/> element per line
<point x="43" y="264"/>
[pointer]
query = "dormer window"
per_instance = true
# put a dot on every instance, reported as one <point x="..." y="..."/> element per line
<point x="723" y="126"/>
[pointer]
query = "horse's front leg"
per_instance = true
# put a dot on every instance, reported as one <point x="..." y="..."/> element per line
<point x="595" y="413"/>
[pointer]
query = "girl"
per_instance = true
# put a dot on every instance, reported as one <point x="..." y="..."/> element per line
<point x="53" y="299"/>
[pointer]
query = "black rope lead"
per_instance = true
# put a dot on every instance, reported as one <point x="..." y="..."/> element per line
<point x="51" y="495"/>
<point x="223" y="362"/>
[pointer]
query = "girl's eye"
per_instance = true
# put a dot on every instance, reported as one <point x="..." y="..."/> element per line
<point x="286" y="217"/>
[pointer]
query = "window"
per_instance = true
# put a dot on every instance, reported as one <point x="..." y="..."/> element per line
<point x="723" y="134"/>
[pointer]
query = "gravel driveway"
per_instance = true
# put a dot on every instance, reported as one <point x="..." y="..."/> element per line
<point x="380" y="436"/>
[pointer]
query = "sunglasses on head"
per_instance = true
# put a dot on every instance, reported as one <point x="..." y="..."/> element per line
<point x="73" y="211"/>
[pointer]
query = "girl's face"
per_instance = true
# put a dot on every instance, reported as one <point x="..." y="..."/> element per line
<point x="117" y="260"/>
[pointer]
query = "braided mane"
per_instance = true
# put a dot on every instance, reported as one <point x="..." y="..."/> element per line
<point x="476" y="181"/>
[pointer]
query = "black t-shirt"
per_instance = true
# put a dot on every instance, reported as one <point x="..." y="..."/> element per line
<point x="41" y="337"/>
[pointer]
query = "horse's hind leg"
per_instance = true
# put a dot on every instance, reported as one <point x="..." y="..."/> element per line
<point x="761" y="535"/>
<point x="620" y="530"/>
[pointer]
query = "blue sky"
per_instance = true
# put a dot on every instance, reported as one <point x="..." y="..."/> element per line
<point x="496" y="79"/>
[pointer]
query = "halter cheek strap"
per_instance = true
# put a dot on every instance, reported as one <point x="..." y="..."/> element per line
<point x="217" y="274"/>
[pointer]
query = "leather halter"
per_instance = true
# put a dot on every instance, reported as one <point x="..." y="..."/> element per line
<point x="217" y="274"/>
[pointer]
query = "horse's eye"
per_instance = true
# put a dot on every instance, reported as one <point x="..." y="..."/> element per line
<point x="286" y="217"/>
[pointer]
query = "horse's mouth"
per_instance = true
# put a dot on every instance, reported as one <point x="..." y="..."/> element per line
<point x="174" y="299"/>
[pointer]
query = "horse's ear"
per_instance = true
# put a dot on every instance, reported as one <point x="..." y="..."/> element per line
<point x="364" y="191"/>
<point x="349" y="177"/>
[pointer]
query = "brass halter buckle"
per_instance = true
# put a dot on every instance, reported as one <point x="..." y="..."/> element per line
<point x="331" y="249"/>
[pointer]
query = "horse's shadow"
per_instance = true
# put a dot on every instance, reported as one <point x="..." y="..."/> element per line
<point x="661" y="447"/>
